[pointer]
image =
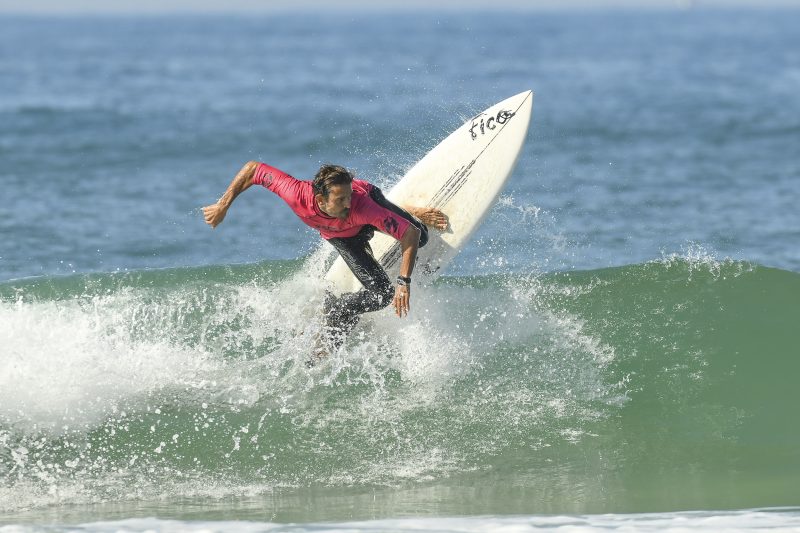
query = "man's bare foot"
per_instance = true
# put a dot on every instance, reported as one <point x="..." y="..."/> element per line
<point x="430" y="216"/>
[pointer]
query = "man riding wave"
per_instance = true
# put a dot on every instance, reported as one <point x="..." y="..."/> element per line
<point x="346" y="212"/>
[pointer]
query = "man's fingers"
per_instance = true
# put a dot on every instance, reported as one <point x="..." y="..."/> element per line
<point x="401" y="306"/>
<point x="208" y="214"/>
<point x="438" y="219"/>
<point x="212" y="215"/>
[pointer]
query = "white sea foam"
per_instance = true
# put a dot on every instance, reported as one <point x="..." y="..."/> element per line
<point x="700" y="258"/>
<point x="71" y="363"/>
<point x="756" y="520"/>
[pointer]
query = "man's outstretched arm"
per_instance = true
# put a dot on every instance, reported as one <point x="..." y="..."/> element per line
<point x="215" y="213"/>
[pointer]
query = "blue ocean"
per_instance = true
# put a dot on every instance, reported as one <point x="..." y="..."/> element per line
<point x="615" y="349"/>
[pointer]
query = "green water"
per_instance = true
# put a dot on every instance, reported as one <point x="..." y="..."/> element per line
<point x="666" y="385"/>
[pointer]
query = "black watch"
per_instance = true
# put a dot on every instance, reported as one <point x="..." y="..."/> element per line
<point x="403" y="282"/>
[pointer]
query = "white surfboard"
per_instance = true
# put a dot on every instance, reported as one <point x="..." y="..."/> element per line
<point x="462" y="176"/>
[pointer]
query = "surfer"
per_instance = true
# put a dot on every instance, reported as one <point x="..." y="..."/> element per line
<point x="346" y="212"/>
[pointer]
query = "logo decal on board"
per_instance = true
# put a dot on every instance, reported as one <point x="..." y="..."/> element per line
<point x="490" y="123"/>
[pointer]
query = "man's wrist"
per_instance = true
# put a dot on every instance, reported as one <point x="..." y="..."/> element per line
<point x="404" y="281"/>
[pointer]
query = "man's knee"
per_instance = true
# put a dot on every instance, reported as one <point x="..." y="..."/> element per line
<point x="384" y="294"/>
<point x="378" y="290"/>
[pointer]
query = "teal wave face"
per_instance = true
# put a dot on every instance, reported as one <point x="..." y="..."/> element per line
<point x="667" y="384"/>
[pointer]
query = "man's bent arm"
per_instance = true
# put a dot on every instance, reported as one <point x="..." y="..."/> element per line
<point x="409" y="244"/>
<point x="214" y="214"/>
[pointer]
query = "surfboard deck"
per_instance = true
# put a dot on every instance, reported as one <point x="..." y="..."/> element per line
<point x="462" y="176"/>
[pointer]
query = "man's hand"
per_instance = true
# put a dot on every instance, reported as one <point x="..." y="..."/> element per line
<point x="430" y="216"/>
<point x="214" y="214"/>
<point x="402" y="296"/>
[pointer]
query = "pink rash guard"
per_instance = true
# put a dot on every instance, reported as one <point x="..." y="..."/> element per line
<point x="300" y="197"/>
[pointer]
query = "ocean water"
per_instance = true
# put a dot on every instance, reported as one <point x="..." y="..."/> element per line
<point x="616" y="349"/>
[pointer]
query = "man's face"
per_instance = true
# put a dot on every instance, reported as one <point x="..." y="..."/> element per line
<point x="337" y="203"/>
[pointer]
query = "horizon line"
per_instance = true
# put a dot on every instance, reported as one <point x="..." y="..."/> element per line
<point x="410" y="6"/>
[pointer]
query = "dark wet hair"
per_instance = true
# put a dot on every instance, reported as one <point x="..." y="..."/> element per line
<point x="330" y="175"/>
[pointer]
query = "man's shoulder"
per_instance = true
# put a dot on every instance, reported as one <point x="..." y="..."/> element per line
<point x="361" y="186"/>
